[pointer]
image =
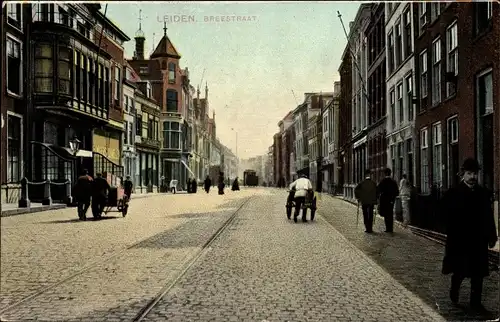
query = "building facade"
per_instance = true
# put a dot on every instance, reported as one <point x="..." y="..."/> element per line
<point x="358" y="49"/>
<point x="457" y="81"/>
<point x="129" y="156"/>
<point x="400" y="122"/>
<point x="330" y="143"/>
<point x="286" y="132"/>
<point x="13" y="100"/>
<point x="376" y="94"/>
<point x="277" y="159"/>
<point x="346" y="171"/>
<point x="75" y="92"/>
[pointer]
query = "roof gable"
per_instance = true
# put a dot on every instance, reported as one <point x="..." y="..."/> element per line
<point x="165" y="48"/>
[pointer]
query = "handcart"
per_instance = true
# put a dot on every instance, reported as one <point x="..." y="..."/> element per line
<point x="116" y="198"/>
<point x="309" y="203"/>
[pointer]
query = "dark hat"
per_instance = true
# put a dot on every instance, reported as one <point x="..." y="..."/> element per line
<point x="471" y="164"/>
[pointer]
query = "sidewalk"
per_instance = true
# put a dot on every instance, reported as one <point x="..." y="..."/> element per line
<point x="12" y="209"/>
<point x="412" y="260"/>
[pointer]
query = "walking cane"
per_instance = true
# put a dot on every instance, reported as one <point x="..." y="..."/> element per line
<point x="357" y="216"/>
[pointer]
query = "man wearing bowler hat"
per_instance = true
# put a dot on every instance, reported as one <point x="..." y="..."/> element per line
<point x="470" y="230"/>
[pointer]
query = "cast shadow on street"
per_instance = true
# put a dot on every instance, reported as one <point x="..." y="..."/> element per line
<point x="76" y="220"/>
<point x="415" y="263"/>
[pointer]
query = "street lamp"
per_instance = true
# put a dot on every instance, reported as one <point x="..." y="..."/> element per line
<point x="74" y="145"/>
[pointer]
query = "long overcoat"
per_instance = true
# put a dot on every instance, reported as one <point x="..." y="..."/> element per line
<point x="470" y="226"/>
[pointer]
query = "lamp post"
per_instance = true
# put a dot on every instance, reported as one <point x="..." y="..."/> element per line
<point x="237" y="159"/>
<point x="74" y="145"/>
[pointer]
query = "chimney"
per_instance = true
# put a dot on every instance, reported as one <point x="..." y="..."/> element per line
<point x="206" y="90"/>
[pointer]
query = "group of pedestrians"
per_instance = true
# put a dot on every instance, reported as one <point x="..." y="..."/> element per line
<point x="88" y="190"/>
<point x="469" y="221"/>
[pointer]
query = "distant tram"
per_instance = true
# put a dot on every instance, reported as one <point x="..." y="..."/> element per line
<point x="250" y="178"/>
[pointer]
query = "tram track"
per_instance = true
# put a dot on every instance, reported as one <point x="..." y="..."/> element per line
<point x="95" y="264"/>
<point x="206" y="246"/>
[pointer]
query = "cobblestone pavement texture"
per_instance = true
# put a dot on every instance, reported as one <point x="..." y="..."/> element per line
<point x="413" y="261"/>
<point x="266" y="268"/>
<point x="133" y="257"/>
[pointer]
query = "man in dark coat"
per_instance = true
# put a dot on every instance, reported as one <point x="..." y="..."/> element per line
<point x="189" y="185"/>
<point x="208" y="184"/>
<point x="470" y="230"/>
<point x="366" y="194"/>
<point x="82" y="192"/>
<point x="100" y="190"/>
<point x="387" y="192"/>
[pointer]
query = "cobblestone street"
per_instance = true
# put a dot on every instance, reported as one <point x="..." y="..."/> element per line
<point x="262" y="267"/>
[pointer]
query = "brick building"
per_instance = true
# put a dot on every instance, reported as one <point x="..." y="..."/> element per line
<point x="376" y="79"/>
<point x="345" y="121"/>
<point x="75" y="91"/>
<point x="455" y="56"/>
<point x="163" y="72"/>
<point x="13" y="99"/>
<point x="286" y="131"/>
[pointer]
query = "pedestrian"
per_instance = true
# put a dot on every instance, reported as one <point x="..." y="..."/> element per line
<point x="302" y="188"/>
<point x="194" y="185"/>
<point x="188" y="185"/>
<point x="100" y="190"/>
<point x="128" y="187"/>
<point x="221" y="184"/>
<point x="387" y="192"/>
<point x="208" y="184"/>
<point x="236" y="185"/>
<point x="83" y="192"/>
<point x="173" y="186"/>
<point x="470" y="230"/>
<point x="366" y="194"/>
<point x="405" y="196"/>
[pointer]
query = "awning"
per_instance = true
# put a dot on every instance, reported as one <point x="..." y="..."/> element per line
<point x="188" y="169"/>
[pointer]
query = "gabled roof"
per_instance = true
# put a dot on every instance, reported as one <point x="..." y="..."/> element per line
<point x="165" y="48"/>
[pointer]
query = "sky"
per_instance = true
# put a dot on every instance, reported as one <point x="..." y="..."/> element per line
<point x="251" y="65"/>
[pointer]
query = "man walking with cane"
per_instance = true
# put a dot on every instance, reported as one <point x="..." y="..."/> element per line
<point x="366" y="194"/>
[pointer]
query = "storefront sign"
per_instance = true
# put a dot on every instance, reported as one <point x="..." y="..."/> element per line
<point x="107" y="146"/>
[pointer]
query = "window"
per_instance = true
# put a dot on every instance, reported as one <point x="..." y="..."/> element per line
<point x="130" y="133"/>
<point x="138" y="124"/>
<point x="483" y="16"/>
<point x="63" y="17"/>
<point x="408" y="38"/>
<point x="435" y="10"/>
<point x="44" y="69"/>
<point x="390" y="41"/>
<point x="14" y="148"/>
<point x="400" y="107"/>
<point x="107" y="89"/>
<point x="171" y="100"/>
<point x="171" y="73"/>
<point x="436" y="71"/>
<point x="452" y="56"/>
<point x="125" y="136"/>
<point x="14" y="65"/>
<point x="437" y="155"/>
<point x="150" y="127"/>
<point x="125" y="105"/>
<point x="485" y="93"/>
<point x="78" y="75"/>
<point x="422" y="13"/>
<point x="14" y="14"/>
<point x="143" y="70"/>
<point x="117" y="82"/>
<point x="393" y="108"/>
<point x="409" y="96"/>
<point x="399" y="45"/>
<point x="424" y="154"/>
<point x="149" y="92"/>
<point x="64" y="70"/>
<point x="171" y="135"/>
<point x="85" y="79"/>
<point x="453" y="152"/>
<point x="423" y="74"/>
<point x="90" y="72"/>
